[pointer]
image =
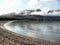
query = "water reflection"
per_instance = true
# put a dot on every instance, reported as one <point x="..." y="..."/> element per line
<point x="43" y="30"/>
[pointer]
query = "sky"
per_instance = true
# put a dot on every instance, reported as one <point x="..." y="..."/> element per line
<point x="7" y="6"/>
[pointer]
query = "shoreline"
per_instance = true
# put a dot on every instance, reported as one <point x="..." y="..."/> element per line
<point x="9" y="38"/>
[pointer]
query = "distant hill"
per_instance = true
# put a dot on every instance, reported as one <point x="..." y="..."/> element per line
<point x="34" y="16"/>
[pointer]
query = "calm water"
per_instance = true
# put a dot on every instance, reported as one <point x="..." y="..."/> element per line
<point x="42" y="30"/>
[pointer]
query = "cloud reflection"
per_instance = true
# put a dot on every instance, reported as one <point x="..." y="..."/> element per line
<point x="48" y="31"/>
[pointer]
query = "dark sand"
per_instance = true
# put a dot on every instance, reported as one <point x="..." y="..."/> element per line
<point x="11" y="38"/>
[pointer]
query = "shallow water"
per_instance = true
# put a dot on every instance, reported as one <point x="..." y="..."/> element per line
<point x="49" y="31"/>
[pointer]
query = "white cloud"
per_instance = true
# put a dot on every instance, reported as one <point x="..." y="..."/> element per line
<point x="49" y="3"/>
<point x="45" y="9"/>
<point x="8" y="6"/>
<point x="37" y="13"/>
<point x="48" y="0"/>
<point x="42" y="4"/>
<point x="26" y="0"/>
<point x="32" y="3"/>
<point x="38" y="6"/>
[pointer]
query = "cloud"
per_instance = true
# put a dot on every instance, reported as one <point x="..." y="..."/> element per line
<point x="42" y="4"/>
<point x="48" y="4"/>
<point x="32" y="3"/>
<point x="48" y="0"/>
<point x="45" y="9"/>
<point x="7" y="6"/>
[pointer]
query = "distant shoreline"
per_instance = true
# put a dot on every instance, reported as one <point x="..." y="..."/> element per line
<point x="31" y="17"/>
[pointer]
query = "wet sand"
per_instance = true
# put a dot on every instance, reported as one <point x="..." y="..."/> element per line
<point x="11" y="38"/>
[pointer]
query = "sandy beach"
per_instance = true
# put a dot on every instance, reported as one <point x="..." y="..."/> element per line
<point x="11" y="38"/>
